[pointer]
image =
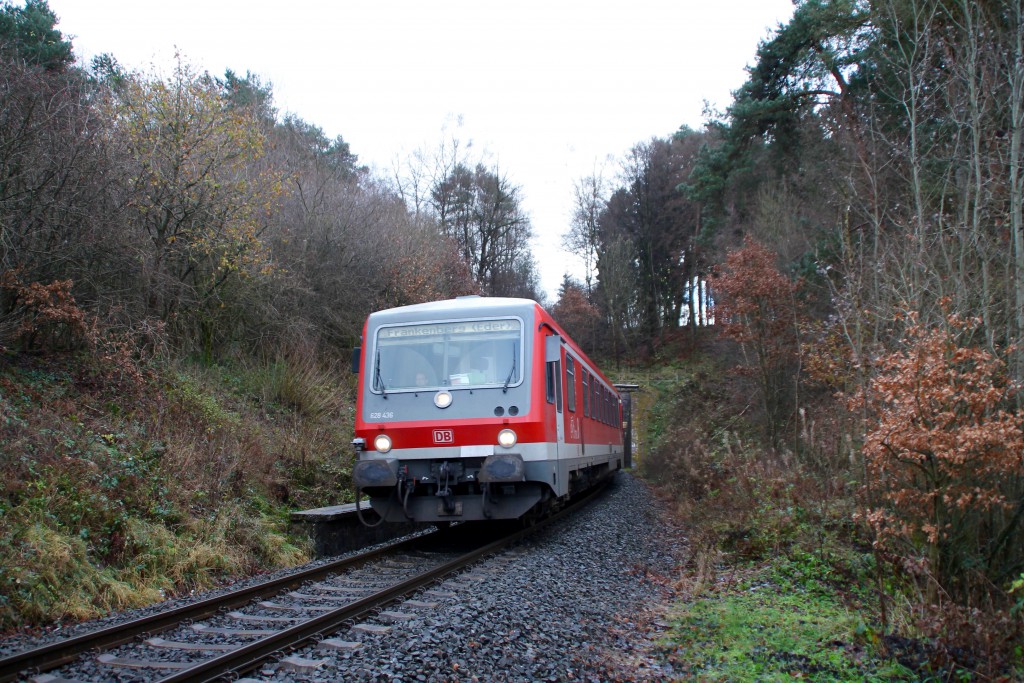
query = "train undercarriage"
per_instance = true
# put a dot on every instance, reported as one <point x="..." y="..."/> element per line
<point x="452" y="490"/>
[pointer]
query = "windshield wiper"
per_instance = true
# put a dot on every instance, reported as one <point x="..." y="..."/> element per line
<point x="377" y="379"/>
<point x="511" y="373"/>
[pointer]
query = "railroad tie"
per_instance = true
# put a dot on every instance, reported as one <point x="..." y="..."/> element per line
<point x="220" y="631"/>
<point x="301" y="664"/>
<point x="200" y="647"/>
<point x="267" y="604"/>
<point x="420" y="604"/>
<point x="395" y="616"/>
<point x="240" y="616"/>
<point x="339" y="644"/>
<point x="112" y="660"/>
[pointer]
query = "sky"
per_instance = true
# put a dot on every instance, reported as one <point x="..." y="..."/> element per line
<point x="548" y="91"/>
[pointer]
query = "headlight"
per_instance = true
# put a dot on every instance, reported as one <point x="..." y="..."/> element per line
<point x="507" y="438"/>
<point x="443" y="399"/>
<point x="382" y="442"/>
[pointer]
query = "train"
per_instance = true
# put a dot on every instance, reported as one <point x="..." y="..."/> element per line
<point x="479" y="408"/>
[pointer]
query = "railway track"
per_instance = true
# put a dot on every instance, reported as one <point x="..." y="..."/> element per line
<point x="225" y="636"/>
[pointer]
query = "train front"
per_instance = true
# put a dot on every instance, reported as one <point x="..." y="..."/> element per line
<point x="447" y="428"/>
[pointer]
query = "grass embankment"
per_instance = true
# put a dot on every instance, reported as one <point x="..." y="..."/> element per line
<point x="117" y="493"/>
<point x="779" y="584"/>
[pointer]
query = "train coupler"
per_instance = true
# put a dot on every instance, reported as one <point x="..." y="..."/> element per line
<point x="448" y="506"/>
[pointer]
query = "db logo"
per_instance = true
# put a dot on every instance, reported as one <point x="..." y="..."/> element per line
<point x="444" y="436"/>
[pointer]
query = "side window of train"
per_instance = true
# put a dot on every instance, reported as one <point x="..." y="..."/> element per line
<point x="553" y="384"/>
<point x="558" y="386"/>
<point x="549" y="381"/>
<point x="570" y="383"/>
<point x="586" y="393"/>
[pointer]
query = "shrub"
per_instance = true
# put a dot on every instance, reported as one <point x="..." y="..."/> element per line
<point x="944" y="493"/>
<point x="42" y="316"/>
<point x="757" y="309"/>
<point x="45" y="317"/>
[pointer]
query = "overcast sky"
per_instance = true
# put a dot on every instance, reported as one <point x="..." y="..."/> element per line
<point x="549" y="88"/>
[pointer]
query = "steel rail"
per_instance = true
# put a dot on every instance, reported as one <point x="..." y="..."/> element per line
<point x="53" y="655"/>
<point x="247" y="657"/>
<point x="250" y="656"/>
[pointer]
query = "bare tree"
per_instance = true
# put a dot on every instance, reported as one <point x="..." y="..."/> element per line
<point x="57" y="220"/>
<point x="583" y="239"/>
<point x="481" y="210"/>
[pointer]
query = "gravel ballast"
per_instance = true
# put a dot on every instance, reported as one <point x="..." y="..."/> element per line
<point x="572" y="604"/>
<point x="576" y="602"/>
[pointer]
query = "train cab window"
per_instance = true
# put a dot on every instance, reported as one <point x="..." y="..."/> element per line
<point x="461" y="354"/>
<point x="586" y="393"/>
<point x="570" y="384"/>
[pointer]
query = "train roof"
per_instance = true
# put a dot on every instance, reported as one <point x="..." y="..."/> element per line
<point x="460" y="306"/>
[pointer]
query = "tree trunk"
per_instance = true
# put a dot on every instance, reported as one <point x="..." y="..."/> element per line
<point x="1016" y="191"/>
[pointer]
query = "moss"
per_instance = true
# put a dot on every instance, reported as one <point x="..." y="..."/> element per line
<point x="779" y="623"/>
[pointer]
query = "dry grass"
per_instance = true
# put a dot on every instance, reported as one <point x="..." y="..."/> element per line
<point x="111" y="500"/>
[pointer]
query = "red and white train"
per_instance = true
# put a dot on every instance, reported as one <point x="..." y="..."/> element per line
<point x="479" y="408"/>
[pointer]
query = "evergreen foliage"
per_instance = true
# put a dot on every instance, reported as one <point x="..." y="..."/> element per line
<point x="29" y="34"/>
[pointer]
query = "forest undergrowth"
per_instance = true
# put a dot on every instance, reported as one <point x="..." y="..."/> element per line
<point x="782" y="582"/>
<point x="121" y="490"/>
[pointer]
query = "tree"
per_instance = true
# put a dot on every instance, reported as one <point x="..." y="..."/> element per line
<point x="650" y="215"/>
<point x="336" y="235"/>
<point x="29" y="33"/>
<point x="429" y="268"/>
<point x="617" y="294"/>
<point x="196" y="194"/>
<point x="311" y="143"/>
<point x="583" y="238"/>
<point x="56" y="183"/>
<point x="806" y="65"/>
<point x="248" y="92"/>
<point x="577" y="316"/>
<point x="480" y="208"/>
<point x="755" y="306"/>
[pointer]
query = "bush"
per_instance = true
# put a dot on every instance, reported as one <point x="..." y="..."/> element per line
<point x="945" y="488"/>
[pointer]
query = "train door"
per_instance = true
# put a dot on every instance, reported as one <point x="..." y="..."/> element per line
<point x="553" y="381"/>
<point x="572" y="423"/>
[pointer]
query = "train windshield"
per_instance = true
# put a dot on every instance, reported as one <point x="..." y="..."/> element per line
<point x="458" y="354"/>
